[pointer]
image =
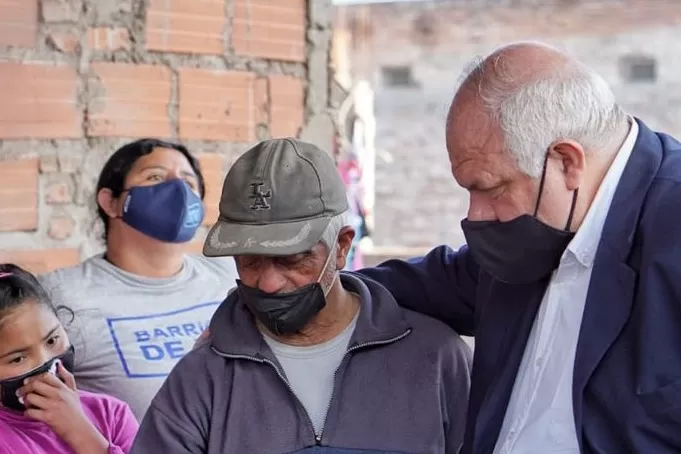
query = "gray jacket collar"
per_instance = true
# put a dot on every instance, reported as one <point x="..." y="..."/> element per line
<point x="233" y="330"/>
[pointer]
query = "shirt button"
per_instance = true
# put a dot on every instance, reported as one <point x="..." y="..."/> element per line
<point x="538" y="362"/>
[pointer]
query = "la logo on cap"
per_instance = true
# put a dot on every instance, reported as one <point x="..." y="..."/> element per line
<point x="260" y="197"/>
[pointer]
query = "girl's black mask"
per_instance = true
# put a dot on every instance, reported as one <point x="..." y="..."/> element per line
<point x="10" y="386"/>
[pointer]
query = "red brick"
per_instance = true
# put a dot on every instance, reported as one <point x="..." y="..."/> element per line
<point x="217" y="105"/>
<point x="186" y="26"/>
<point x="66" y="42"/>
<point x="287" y="104"/>
<point x="267" y="29"/>
<point x="18" y="22"/>
<point x="58" y="191"/>
<point x="60" y="226"/>
<point x="39" y="101"/>
<point x="211" y="167"/>
<point x="105" y="38"/>
<point x="19" y="195"/>
<point x="134" y="101"/>
<point x="41" y="260"/>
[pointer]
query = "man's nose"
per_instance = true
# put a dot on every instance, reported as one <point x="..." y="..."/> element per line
<point x="271" y="280"/>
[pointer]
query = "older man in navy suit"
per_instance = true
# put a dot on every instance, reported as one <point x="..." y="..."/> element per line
<point x="571" y="277"/>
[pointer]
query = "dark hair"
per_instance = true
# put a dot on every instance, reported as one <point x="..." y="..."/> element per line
<point x="117" y="168"/>
<point x="17" y="286"/>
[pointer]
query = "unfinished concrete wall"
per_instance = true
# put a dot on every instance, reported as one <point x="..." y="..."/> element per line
<point x="78" y="78"/>
<point x="414" y="54"/>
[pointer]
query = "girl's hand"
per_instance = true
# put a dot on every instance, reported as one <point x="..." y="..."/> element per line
<point x="57" y="404"/>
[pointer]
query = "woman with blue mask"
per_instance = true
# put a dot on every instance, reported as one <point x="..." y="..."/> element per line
<point x="142" y="303"/>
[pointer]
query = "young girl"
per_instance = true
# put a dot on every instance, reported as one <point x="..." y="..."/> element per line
<point x="41" y="411"/>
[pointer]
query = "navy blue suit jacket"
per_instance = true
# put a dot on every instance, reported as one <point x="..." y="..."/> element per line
<point x="627" y="372"/>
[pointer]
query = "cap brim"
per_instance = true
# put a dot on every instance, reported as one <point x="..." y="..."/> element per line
<point x="280" y="239"/>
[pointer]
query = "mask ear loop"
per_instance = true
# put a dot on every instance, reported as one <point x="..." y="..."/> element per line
<point x="541" y="189"/>
<point x="326" y="265"/>
<point x="572" y="210"/>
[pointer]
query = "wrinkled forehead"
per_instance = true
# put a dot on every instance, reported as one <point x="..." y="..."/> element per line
<point x="475" y="146"/>
<point x="469" y="126"/>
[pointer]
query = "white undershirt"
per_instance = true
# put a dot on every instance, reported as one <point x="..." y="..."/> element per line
<point x="540" y="417"/>
<point x="311" y="370"/>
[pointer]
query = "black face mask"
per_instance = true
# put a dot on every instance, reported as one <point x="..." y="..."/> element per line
<point x="283" y="313"/>
<point x="10" y="386"/>
<point x="522" y="250"/>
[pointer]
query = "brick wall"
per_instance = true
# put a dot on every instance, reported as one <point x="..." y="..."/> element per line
<point x="438" y="39"/>
<point x="78" y="78"/>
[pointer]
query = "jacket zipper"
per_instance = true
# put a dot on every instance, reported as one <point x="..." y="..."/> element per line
<point x="282" y="377"/>
<point x="318" y="438"/>
<point x="279" y="374"/>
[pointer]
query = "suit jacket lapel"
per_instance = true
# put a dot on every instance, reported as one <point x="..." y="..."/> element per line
<point x="613" y="282"/>
<point x="607" y="309"/>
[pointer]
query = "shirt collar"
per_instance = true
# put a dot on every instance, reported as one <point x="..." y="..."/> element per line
<point x="585" y="243"/>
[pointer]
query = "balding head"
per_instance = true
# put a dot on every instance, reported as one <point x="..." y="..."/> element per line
<point x="535" y="94"/>
<point x="519" y="63"/>
<point x="522" y="105"/>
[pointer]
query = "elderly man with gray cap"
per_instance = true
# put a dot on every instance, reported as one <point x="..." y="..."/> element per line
<point x="302" y="357"/>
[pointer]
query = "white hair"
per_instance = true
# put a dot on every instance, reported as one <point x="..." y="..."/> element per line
<point x="330" y="236"/>
<point x="569" y="102"/>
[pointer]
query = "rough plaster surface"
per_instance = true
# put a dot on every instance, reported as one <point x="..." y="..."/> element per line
<point x="418" y="203"/>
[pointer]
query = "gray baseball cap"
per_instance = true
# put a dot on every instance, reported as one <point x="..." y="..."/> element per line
<point x="277" y="199"/>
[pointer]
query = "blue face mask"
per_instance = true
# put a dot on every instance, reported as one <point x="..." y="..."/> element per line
<point x="170" y="211"/>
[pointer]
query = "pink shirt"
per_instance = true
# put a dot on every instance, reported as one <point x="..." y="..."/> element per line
<point x="113" y="418"/>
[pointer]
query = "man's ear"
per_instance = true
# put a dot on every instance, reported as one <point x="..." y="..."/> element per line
<point x="345" y="237"/>
<point x="108" y="203"/>
<point x="573" y="158"/>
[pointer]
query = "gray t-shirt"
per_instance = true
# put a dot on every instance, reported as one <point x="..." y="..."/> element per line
<point x="129" y="331"/>
<point x="311" y="371"/>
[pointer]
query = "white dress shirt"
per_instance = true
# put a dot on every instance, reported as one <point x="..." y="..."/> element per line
<point x="540" y="418"/>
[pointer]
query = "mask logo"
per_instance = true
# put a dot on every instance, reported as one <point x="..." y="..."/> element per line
<point x="126" y="204"/>
<point x="260" y="197"/>
<point x="194" y="216"/>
